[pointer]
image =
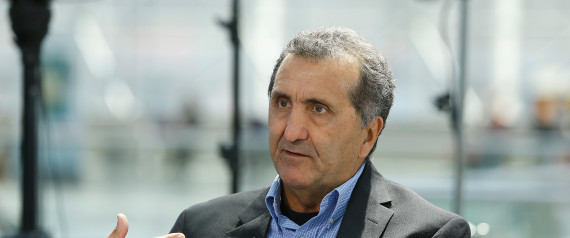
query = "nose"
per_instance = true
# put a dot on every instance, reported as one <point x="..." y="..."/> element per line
<point x="296" y="128"/>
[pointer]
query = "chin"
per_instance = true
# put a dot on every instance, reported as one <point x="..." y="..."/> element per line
<point x="295" y="184"/>
<point x="296" y="173"/>
<point x="295" y="180"/>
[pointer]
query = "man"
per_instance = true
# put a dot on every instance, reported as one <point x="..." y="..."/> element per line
<point x="330" y="94"/>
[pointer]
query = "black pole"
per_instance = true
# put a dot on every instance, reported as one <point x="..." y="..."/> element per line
<point x="231" y="153"/>
<point x="30" y="20"/>
<point x="457" y="110"/>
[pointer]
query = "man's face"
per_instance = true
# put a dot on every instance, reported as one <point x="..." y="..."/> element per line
<point x="315" y="134"/>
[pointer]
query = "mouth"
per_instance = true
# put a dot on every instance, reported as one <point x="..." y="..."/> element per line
<point x="294" y="153"/>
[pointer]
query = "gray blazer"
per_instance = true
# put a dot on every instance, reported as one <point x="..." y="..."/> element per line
<point x="378" y="208"/>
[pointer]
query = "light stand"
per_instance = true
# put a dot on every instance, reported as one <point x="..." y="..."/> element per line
<point x="30" y="20"/>
<point x="457" y="109"/>
<point x="231" y="152"/>
<point x="453" y="102"/>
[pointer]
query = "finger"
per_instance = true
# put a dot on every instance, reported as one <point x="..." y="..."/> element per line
<point x="121" y="228"/>
<point x="173" y="235"/>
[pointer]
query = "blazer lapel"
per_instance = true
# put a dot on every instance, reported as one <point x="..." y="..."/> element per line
<point x="254" y="221"/>
<point x="367" y="213"/>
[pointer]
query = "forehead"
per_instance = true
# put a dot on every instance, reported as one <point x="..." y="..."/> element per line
<point x="329" y="77"/>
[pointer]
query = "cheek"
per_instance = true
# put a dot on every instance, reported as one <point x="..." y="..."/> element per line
<point x="341" y="141"/>
<point x="328" y="143"/>
<point x="276" y="128"/>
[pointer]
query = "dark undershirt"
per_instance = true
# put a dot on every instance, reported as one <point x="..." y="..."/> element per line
<point x="298" y="217"/>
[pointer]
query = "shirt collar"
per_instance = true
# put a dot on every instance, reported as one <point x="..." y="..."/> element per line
<point x="333" y="204"/>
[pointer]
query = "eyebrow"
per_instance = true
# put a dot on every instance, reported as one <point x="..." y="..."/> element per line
<point x="276" y="94"/>
<point x="316" y="101"/>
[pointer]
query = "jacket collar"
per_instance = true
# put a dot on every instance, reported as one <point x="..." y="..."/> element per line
<point x="254" y="220"/>
<point x="368" y="213"/>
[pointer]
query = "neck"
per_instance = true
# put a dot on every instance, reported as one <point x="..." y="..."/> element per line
<point x="308" y="199"/>
<point x="302" y="201"/>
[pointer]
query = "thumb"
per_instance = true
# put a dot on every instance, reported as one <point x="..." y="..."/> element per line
<point x="122" y="227"/>
<point x="173" y="235"/>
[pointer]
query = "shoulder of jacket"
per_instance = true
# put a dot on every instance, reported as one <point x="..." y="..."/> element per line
<point x="236" y="200"/>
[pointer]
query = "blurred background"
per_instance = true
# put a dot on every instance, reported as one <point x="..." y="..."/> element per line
<point x="138" y="100"/>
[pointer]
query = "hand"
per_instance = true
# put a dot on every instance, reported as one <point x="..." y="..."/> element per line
<point x="122" y="228"/>
<point x="173" y="235"/>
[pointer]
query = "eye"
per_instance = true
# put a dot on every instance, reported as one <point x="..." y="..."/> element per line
<point x="282" y="103"/>
<point x="319" y="109"/>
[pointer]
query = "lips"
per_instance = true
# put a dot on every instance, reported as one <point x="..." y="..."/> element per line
<point x="296" y="149"/>
<point x="294" y="153"/>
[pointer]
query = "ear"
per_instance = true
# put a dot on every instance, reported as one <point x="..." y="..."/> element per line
<point x="372" y="132"/>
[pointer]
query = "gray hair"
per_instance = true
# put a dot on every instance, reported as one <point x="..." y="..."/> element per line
<point x="374" y="94"/>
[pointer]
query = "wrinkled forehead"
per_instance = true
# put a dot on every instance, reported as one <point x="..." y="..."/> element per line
<point x="339" y="75"/>
<point x="343" y="61"/>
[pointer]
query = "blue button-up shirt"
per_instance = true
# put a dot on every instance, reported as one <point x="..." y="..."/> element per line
<point x="325" y="224"/>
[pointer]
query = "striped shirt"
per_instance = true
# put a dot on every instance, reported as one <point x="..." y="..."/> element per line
<point x="325" y="224"/>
